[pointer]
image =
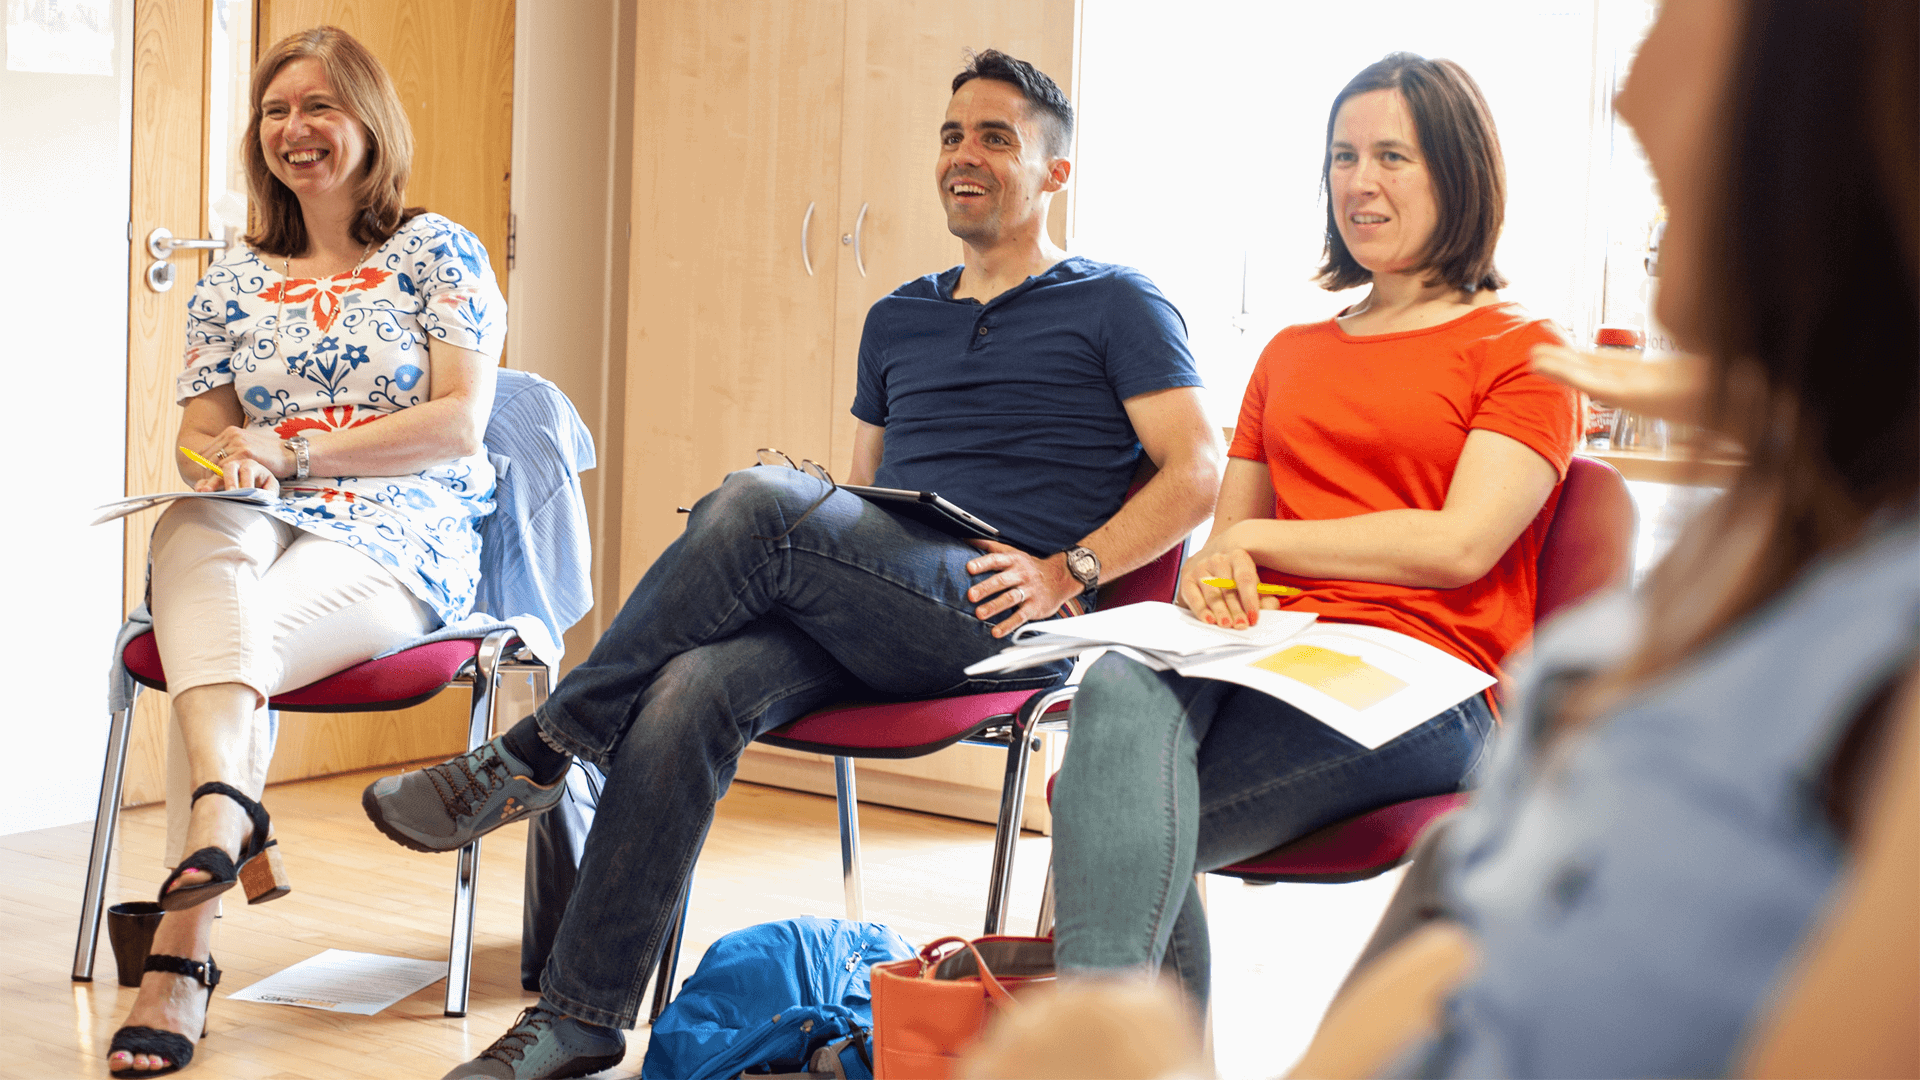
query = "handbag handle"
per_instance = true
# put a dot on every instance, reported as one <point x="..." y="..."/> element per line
<point x="929" y="959"/>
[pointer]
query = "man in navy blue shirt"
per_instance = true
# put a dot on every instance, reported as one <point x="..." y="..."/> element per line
<point x="1025" y="386"/>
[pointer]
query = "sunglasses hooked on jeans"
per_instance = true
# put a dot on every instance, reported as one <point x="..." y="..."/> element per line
<point x="774" y="459"/>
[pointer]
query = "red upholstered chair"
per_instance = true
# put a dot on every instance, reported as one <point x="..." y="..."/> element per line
<point x="539" y="446"/>
<point x="1588" y="547"/>
<point x="907" y="729"/>
<point x="392" y="682"/>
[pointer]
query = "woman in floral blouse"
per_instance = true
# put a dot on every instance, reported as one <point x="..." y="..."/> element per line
<point x="344" y="361"/>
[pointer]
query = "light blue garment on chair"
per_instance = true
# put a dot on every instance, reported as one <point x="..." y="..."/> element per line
<point x="535" y="554"/>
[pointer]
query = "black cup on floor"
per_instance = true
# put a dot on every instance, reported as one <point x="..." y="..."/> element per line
<point x="130" y="928"/>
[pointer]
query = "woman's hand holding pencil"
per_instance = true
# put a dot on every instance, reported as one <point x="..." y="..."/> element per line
<point x="1222" y="587"/>
<point x="1263" y="588"/>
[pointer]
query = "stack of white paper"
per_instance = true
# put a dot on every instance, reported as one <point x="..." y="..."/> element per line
<point x="133" y="504"/>
<point x="1370" y="685"/>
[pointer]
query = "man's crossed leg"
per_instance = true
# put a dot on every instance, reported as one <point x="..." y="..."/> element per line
<point x="740" y="626"/>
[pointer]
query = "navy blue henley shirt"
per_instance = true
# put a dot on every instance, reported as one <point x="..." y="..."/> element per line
<point x="1012" y="409"/>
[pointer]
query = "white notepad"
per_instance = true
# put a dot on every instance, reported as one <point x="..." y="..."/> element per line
<point x="133" y="504"/>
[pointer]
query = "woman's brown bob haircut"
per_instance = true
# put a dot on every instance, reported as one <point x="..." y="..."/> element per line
<point x="368" y="96"/>
<point x="1462" y="149"/>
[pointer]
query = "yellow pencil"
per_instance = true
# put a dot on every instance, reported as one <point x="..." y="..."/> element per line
<point x="202" y="462"/>
<point x="1265" y="589"/>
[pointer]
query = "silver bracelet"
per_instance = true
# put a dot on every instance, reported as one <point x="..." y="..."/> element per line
<point x="298" y="447"/>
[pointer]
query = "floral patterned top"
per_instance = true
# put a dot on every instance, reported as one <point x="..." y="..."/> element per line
<point x="308" y="354"/>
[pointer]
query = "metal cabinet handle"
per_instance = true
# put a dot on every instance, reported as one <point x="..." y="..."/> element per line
<point x="806" y="225"/>
<point x="859" y="223"/>
<point x="161" y="244"/>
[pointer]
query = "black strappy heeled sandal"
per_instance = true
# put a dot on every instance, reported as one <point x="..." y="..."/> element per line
<point x="259" y="871"/>
<point x="158" y="1042"/>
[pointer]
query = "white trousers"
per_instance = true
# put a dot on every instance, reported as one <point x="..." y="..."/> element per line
<point x="241" y="597"/>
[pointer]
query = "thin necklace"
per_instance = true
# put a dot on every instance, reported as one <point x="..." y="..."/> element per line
<point x="286" y="276"/>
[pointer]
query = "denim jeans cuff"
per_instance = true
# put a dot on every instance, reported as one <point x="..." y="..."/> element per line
<point x="553" y="725"/>
<point x="567" y="1005"/>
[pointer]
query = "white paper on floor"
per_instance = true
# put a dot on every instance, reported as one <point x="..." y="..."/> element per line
<point x="345" y="982"/>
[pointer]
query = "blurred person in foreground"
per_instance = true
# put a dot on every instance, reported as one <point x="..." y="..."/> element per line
<point x="1695" y="775"/>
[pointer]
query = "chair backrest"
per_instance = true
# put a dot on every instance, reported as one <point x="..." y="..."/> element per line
<point x="1589" y="546"/>
<point x="1158" y="580"/>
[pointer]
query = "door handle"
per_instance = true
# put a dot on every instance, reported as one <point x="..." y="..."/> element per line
<point x="859" y="224"/>
<point x="806" y="225"/>
<point x="161" y="244"/>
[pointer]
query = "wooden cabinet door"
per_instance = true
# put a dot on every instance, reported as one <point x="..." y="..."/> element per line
<point x="902" y="56"/>
<point x="730" y="338"/>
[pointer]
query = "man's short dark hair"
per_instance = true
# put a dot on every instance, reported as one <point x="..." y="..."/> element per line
<point x="1043" y="95"/>
<point x="1462" y="149"/>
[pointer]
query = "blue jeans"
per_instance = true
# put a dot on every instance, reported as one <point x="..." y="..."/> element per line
<point x="729" y="635"/>
<point x="1166" y="777"/>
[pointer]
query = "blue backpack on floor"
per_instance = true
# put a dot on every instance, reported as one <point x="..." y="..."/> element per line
<point x="765" y="998"/>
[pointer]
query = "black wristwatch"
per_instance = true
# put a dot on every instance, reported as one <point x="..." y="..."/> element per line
<point x="1084" y="565"/>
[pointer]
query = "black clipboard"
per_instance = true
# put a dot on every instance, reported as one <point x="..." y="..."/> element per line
<point x="929" y="508"/>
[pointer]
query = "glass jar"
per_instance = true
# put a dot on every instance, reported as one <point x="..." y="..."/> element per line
<point x="1603" y="422"/>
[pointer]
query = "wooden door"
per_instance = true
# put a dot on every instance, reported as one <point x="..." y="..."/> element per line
<point x="168" y="155"/>
<point x="729" y="337"/>
<point x="902" y="56"/>
<point x="452" y="61"/>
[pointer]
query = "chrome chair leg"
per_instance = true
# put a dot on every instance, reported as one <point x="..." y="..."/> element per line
<point x="537" y="679"/>
<point x="1044" y="925"/>
<point x="106" y="824"/>
<point x="1021" y="744"/>
<point x="460" y="940"/>
<point x="669" y="962"/>
<point x="848" y="798"/>
<point x="486" y="683"/>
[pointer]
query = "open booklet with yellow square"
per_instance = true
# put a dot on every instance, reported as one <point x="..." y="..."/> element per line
<point x="1369" y="684"/>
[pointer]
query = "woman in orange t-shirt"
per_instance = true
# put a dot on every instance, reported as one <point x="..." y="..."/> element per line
<point x="1399" y="463"/>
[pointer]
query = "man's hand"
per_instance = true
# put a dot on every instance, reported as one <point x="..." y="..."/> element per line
<point x="1031" y="588"/>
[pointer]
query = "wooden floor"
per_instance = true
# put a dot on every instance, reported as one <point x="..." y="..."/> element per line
<point x="771" y="854"/>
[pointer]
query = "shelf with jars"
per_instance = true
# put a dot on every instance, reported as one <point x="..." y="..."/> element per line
<point x="1646" y="447"/>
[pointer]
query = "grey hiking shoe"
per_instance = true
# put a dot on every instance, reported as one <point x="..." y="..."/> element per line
<point x="443" y="807"/>
<point x="543" y="1044"/>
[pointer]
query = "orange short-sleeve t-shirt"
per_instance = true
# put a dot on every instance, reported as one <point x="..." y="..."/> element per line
<point x="1354" y="425"/>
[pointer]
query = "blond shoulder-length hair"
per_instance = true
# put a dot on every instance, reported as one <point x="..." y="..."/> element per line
<point x="367" y="94"/>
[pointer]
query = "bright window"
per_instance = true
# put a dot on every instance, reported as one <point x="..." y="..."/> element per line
<point x="1202" y="128"/>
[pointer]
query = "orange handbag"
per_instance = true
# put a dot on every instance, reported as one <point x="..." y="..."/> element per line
<point x="927" y="1010"/>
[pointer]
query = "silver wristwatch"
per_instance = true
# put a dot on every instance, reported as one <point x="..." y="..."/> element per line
<point x="302" y="462"/>
<point x="1084" y="565"/>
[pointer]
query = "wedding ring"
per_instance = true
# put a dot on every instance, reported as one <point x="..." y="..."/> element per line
<point x="1022" y="597"/>
<point x="219" y="455"/>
